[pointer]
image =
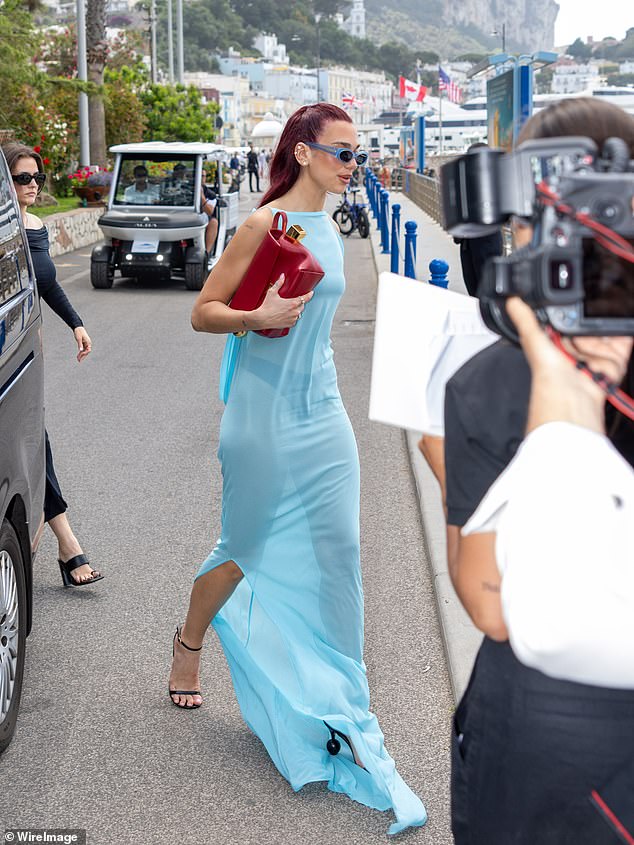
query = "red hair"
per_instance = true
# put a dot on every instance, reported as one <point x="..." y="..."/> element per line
<point x="306" y="124"/>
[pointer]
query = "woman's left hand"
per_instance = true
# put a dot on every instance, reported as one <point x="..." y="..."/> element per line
<point x="84" y="343"/>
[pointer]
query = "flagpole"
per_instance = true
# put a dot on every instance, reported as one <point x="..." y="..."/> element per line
<point x="439" y="118"/>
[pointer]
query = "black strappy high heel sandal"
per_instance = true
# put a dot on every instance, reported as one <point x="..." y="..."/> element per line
<point x="66" y="567"/>
<point x="333" y="746"/>
<point x="177" y="636"/>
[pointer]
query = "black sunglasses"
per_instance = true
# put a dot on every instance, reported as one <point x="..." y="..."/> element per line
<point x="24" y="179"/>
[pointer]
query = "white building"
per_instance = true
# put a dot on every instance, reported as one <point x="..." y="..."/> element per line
<point x="571" y="79"/>
<point x="270" y="49"/>
<point x="232" y="92"/>
<point x="371" y="92"/>
<point x="355" y="24"/>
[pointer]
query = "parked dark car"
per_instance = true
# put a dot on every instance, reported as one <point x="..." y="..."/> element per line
<point x="22" y="456"/>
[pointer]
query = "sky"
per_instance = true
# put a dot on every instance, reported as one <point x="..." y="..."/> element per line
<point x="580" y="18"/>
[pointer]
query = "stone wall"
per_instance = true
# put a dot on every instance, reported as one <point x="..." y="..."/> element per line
<point x="70" y="230"/>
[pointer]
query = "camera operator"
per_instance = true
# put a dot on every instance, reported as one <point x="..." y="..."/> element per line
<point x="530" y="744"/>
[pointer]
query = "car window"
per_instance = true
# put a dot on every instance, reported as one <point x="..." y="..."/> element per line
<point x="156" y="181"/>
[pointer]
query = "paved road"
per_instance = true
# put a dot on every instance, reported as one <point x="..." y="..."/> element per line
<point x="134" y="431"/>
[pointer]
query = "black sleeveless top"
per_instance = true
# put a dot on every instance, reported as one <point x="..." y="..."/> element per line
<point x="48" y="287"/>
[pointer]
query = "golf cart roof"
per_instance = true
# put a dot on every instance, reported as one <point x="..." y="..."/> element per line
<point x="175" y="148"/>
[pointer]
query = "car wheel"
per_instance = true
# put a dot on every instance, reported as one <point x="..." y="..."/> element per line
<point x="344" y="221"/>
<point x="195" y="275"/>
<point x="101" y="274"/>
<point x="363" y="224"/>
<point x="13" y="623"/>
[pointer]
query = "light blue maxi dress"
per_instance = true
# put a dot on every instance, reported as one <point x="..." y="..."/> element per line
<point x="292" y="631"/>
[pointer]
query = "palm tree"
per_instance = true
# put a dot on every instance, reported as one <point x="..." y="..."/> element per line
<point x="96" y="54"/>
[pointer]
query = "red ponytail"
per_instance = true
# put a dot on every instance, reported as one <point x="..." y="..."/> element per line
<point x="305" y="124"/>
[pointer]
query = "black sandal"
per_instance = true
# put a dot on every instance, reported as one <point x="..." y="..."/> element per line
<point x="66" y="567"/>
<point x="333" y="746"/>
<point x="177" y="636"/>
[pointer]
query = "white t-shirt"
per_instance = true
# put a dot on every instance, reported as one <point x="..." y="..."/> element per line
<point x="563" y="511"/>
<point x="147" y="197"/>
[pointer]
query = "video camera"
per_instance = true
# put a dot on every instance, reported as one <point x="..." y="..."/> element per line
<point x="578" y="271"/>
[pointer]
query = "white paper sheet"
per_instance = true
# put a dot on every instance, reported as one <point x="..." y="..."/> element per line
<point x="423" y="335"/>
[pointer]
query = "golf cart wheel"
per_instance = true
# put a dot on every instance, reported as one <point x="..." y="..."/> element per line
<point x="13" y="614"/>
<point x="101" y="274"/>
<point x="195" y="275"/>
<point x="363" y="224"/>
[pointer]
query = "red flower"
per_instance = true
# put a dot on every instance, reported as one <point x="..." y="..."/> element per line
<point x="43" y="138"/>
<point x="37" y="149"/>
<point x="46" y="160"/>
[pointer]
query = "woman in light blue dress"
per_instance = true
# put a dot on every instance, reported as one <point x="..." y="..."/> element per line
<point x="282" y="587"/>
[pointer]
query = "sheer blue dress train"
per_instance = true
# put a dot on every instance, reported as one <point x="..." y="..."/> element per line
<point x="292" y="631"/>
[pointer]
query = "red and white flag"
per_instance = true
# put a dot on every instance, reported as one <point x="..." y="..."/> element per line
<point x="454" y="92"/>
<point x="409" y="90"/>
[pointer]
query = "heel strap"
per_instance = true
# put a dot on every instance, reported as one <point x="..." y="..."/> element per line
<point x="184" y="644"/>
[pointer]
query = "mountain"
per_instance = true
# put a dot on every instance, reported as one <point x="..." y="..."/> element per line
<point x="451" y="27"/>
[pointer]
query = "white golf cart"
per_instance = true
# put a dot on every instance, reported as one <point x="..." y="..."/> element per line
<point x="154" y="226"/>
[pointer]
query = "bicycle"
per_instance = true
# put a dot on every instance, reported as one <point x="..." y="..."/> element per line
<point x="352" y="215"/>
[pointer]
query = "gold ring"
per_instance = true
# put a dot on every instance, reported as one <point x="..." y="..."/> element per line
<point x="301" y="299"/>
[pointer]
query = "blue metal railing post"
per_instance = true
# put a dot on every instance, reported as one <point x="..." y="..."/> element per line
<point x="410" y="248"/>
<point x="385" y="222"/>
<point x="377" y="202"/>
<point x="396" y="233"/>
<point x="370" y="181"/>
<point x="439" y="269"/>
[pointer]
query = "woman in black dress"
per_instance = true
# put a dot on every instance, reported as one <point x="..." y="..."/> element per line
<point x="27" y="170"/>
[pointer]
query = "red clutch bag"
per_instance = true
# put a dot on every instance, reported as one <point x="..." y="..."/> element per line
<point x="280" y="252"/>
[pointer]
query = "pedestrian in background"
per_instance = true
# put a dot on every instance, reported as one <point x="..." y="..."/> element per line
<point x="27" y="172"/>
<point x="253" y="166"/>
<point x="555" y="739"/>
<point x="283" y="584"/>
<point x="262" y="165"/>
<point x="209" y="201"/>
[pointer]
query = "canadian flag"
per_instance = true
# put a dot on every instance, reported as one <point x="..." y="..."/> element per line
<point x="411" y="90"/>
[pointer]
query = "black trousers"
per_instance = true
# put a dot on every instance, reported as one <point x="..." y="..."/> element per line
<point x="528" y="751"/>
<point x="253" y="173"/>
<point x="54" y="503"/>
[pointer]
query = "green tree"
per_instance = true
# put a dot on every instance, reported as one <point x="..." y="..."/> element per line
<point x="125" y="121"/>
<point x="580" y="51"/>
<point x="176" y="113"/>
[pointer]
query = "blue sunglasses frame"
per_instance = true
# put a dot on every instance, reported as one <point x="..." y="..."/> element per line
<point x="360" y="157"/>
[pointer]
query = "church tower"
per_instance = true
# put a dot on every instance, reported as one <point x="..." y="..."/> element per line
<point x="355" y="24"/>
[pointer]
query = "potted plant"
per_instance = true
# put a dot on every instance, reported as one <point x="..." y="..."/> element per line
<point x="91" y="185"/>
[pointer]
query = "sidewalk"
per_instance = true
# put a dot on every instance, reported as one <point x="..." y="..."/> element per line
<point x="460" y="636"/>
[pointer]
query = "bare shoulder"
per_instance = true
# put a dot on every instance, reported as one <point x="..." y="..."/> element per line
<point x="33" y="221"/>
<point x="259" y="222"/>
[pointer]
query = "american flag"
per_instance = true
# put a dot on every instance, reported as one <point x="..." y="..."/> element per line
<point x="454" y="92"/>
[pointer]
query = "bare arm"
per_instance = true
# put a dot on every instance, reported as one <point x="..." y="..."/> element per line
<point x="211" y="312"/>
<point x="477" y="582"/>
<point x="470" y="560"/>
